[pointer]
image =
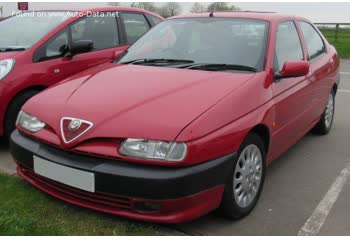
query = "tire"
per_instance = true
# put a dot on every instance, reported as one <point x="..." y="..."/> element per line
<point x="324" y="126"/>
<point x="230" y="206"/>
<point x="13" y="110"/>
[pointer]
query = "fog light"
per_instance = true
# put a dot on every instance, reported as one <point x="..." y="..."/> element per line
<point x="147" y="206"/>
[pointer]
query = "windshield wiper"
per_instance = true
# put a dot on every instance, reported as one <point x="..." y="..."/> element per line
<point x="157" y="61"/>
<point x="220" y="67"/>
<point x="10" y="49"/>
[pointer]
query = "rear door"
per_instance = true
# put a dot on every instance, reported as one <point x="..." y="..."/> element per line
<point x="321" y="65"/>
<point x="292" y="96"/>
<point x="104" y="30"/>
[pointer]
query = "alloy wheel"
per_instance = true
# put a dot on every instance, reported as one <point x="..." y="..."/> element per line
<point x="329" y="112"/>
<point x="247" y="176"/>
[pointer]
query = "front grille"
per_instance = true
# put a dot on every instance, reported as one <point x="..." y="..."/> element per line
<point x="71" y="153"/>
<point x="97" y="200"/>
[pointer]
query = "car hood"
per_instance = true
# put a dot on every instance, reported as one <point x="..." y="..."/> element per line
<point x="6" y="55"/>
<point x="129" y="101"/>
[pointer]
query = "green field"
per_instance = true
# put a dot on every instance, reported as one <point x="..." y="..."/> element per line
<point x="25" y="210"/>
<point x="342" y="44"/>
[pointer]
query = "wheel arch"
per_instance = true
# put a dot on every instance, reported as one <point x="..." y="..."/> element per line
<point x="335" y="88"/>
<point x="264" y="132"/>
<point x="336" y="84"/>
<point x="38" y="88"/>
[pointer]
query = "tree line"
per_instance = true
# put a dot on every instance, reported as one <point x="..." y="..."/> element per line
<point x="174" y="8"/>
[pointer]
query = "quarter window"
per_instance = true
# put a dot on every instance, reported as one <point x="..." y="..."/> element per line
<point x="57" y="46"/>
<point x="135" y="26"/>
<point x="288" y="46"/>
<point x="314" y="42"/>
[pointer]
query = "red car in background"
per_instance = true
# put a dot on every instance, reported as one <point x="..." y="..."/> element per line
<point x="186" y="121"/>
<point x="39" y="49"/>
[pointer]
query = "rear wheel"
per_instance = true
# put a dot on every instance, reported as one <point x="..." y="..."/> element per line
<point x="325" y="124"/>
<point x="13" y="110"/>
<point x="246" y="181"/>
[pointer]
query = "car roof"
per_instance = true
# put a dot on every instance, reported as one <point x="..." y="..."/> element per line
<point x="100" y="9"/>
<point x="266" y="16"/>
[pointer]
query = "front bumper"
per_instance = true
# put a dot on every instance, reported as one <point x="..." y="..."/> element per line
<point x="182" y="194"/>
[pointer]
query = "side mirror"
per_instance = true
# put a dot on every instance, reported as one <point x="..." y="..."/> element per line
<point x="81" y="46"/>
<point x="293" y="69"/>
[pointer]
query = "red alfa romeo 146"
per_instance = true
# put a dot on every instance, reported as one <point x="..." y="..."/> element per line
<point x="185" y="122"/>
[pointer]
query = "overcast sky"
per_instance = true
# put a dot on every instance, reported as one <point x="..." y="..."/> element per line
<point x="316" y="12"/>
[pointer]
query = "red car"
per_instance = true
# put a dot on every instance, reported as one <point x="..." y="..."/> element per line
<point x="185" y="122"/>
<point x="39" y="49"/>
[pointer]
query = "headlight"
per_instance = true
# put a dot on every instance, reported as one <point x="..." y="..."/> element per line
<point x="28" y="122"/>
<point x="157" y="150"/>
<point x="6" y="67"/>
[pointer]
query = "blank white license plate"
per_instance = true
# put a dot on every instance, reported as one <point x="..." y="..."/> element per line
<point x="66" y="175"/>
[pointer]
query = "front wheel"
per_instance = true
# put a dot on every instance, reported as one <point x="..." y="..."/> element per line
<point x="245" y="184"/>
<point x="325" y="124"/>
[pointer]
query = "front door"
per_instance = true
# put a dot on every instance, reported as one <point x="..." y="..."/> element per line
<point x="108" y="45"/>
<point x="292" y="96"/>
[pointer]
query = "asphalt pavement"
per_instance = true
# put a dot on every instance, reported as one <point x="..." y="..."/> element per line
<point x="306" y="192"/>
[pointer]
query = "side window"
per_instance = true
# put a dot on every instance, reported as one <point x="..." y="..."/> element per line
<point x="78" y="30"/>
<point x="314" y="42"/>
<point x="135" y="26"/>
<point x="102" y="30"/>
<point x="288" y="46"/>
<point x="57" y="46"/>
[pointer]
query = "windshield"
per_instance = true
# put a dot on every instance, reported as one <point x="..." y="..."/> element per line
<point x="228" y="41"/>
<point x="24" y="30"/>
